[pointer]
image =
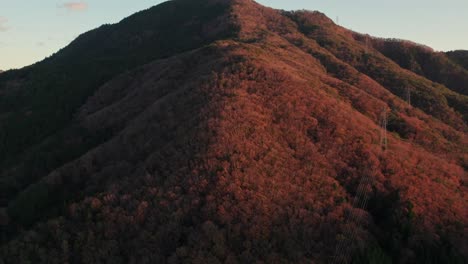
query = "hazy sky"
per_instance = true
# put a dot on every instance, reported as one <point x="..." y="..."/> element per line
<point x="31" y="30"/>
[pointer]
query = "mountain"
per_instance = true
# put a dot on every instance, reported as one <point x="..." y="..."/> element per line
<point x="216" y="131"/>
<point x="460" y="57"/>
<point x="435" y="66"/>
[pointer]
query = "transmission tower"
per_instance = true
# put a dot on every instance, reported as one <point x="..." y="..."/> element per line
<point x="347" y="243"/>
<point x="383" y="129"/>
<point x="367" y="44"/>
<point x="408" y="95"/>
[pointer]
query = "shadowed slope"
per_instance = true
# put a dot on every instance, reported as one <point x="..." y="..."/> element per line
<point x="38" y="101"/>
<point x="435" y="66"/>
<point x="460" y="57"/>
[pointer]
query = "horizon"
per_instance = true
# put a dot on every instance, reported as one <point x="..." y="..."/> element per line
<point x="52" y="25"/>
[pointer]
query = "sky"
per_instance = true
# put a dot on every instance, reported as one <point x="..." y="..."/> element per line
<point x="31" y="30"/>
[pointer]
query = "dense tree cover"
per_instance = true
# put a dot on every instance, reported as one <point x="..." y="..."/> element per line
<point x="38" y="102"/>
<point x="357" y="51"/>
<point x="244" y="150"/>
<point x="434" y="66"/>
<point x="460" y="57"/>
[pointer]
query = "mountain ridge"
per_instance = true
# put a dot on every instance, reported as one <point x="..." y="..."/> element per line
<point x="460" y="57"/>
<point x="243" y="147"/>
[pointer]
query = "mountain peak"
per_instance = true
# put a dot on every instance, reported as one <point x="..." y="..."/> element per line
<point x="228" y="132"/>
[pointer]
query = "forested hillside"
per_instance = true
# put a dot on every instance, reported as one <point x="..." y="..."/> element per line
<point x="223" y="131"/>
<point x="460" y="57"/>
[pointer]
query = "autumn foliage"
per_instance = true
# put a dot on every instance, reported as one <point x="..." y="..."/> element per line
<point x="248" y="149"/>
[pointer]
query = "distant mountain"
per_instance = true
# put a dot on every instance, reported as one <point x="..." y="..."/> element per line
<point x="460" y="57"/>
<point x="223" y="131"/>
<point x="435" y="66"/>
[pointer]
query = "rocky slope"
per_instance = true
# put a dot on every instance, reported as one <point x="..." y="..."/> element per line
<point x="225" y="131"/>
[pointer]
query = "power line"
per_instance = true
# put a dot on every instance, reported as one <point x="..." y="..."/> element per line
<point x="344" y="247"/>
<point x="383" y="129"/>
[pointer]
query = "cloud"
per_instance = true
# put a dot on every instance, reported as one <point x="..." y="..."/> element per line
<point x="75" y="6"/>
<point x="3" y="26"/>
